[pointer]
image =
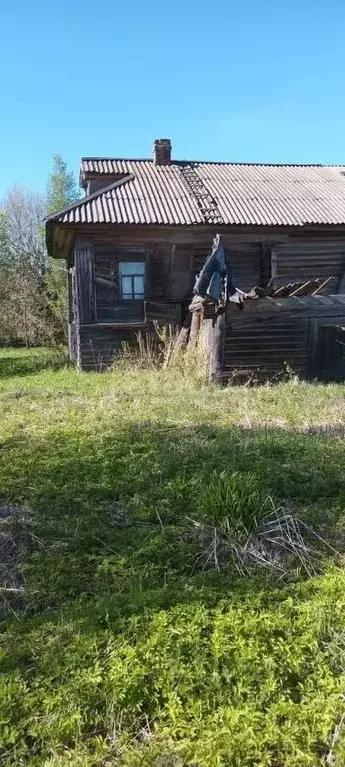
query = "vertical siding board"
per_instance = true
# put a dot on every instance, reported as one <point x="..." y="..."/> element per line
<point x="265" y="264"/>
<point x="85" y="283"/>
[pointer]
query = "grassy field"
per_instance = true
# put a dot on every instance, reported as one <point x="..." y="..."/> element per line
<point x="123" y="645"/>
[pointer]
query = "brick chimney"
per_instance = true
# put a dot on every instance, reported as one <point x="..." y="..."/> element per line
<point x="162" y="151"/>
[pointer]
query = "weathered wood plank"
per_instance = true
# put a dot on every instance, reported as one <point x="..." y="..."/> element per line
<point x="172" y="259"/>
<point x="305" y="288"/>
<point x="195" y="328"/>
<point x="283" y="291"/>
<point x="325" y="284"/>
<point x="267" y="348"/>
<point x="163" y="312"/>
<point x="303" y="260"/>
<point x="313" y="306"/>
<point x="85" y="282"/>
<point x="217" y="349"/>
<point x="265" y="263"/>
<point x="183" y="336"/>
<point x="274" y="264"/>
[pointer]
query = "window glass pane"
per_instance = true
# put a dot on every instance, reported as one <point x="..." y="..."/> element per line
<point x="138" y="287"/>
<point x="127" y="289"/>
<point x="132" y="267"/>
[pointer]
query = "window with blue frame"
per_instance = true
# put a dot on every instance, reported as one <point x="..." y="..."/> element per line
<point x="132" y="280"/>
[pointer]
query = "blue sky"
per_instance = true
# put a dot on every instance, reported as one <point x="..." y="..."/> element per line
<point x="238" y="81"/>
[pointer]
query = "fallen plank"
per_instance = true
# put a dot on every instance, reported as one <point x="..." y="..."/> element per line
<point x="323" y="285"/>
<point x="305" y="289"/>
<point x="284" y="290"/>
<point x="269" y="290"/>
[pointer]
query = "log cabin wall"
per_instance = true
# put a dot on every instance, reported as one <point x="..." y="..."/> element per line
<point x="270" y="337"/>
<point x="171" y="264"/>
<point x="99" y="344"/>
<point x="265" y="348"/>
<point x="172" y="257"/>
<point x="299" y="259"/>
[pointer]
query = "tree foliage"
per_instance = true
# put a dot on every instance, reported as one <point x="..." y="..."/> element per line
<point x="33" y="287"/>
<point x="61" y="191"/>
<point x="23" y="231"/>
<point x="25" y="314"/>
<point x="4" y="250"/>
<point x="61" y="188"/>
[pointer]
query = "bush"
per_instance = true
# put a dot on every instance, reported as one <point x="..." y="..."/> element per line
<point x="32" y="308"/>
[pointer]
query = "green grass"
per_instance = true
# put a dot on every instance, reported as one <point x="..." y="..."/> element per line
<point x="127" y="652"/>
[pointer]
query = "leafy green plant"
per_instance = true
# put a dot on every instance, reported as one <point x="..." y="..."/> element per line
<point x="238" y="524"/>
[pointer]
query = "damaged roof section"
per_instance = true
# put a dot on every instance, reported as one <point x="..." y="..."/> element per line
<point x="266" y="195"/>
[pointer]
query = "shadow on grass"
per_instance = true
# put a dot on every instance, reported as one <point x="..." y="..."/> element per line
<point x="23" y="362"/>
<point x="111" y="509"/>
<point x="120" y="621"/>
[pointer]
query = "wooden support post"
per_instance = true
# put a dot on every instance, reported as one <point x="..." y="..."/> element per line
<point x="217" y="349"/>
<point x="195" y="328"/>
<point x="183" y="336"/>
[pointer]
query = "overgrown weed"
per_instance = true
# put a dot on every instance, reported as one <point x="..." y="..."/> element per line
<point x="156" y="351"/>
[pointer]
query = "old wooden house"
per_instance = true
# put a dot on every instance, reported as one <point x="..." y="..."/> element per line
<point x="136" y="240"/>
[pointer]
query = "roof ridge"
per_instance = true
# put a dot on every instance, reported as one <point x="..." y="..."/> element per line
<point x="90" y="158"/>
<point x="82" y="200"/>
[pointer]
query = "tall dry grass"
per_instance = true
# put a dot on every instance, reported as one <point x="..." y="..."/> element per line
<point x="156" y="350"/>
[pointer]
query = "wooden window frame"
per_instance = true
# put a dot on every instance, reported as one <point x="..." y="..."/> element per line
<point x="124" y="253"/>
<point x="132" y="277"/>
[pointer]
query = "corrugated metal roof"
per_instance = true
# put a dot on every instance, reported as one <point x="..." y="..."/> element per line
<point x="274" y="195"/>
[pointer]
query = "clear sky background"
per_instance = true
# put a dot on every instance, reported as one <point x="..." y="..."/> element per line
<point x="241" y="81"/>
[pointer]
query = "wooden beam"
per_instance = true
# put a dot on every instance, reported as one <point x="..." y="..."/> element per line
<point x="183" y="336"/>
<point x="85" y="283"/>
<point x="295" y="306"/>
<point x="265" y="263"/>
<point x="283" y="291"/>
<point x="216" y="350"/>
<point x="274" y="264"/>
<point x="305" y="288"/>
<point x="269" y="290"/>
<point x="195" y="328"/>
<point x="312" y="348"/>
<point x="172" y="259"/>
<point x="323" y="285"/>
<point x="164" y="312"/>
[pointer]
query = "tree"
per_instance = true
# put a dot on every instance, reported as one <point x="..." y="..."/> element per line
<point x="25" y="315"/>
<point x="61" y="188"/>
<point x="24" y="311"/>
<point x="33" y="287"/>
<point x="21" y="228"/>
<point x="61" y="191"/>
<point x="4" y="250"/>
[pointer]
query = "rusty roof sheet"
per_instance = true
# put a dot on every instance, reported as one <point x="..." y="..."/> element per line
<point x="269" y="195"/>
